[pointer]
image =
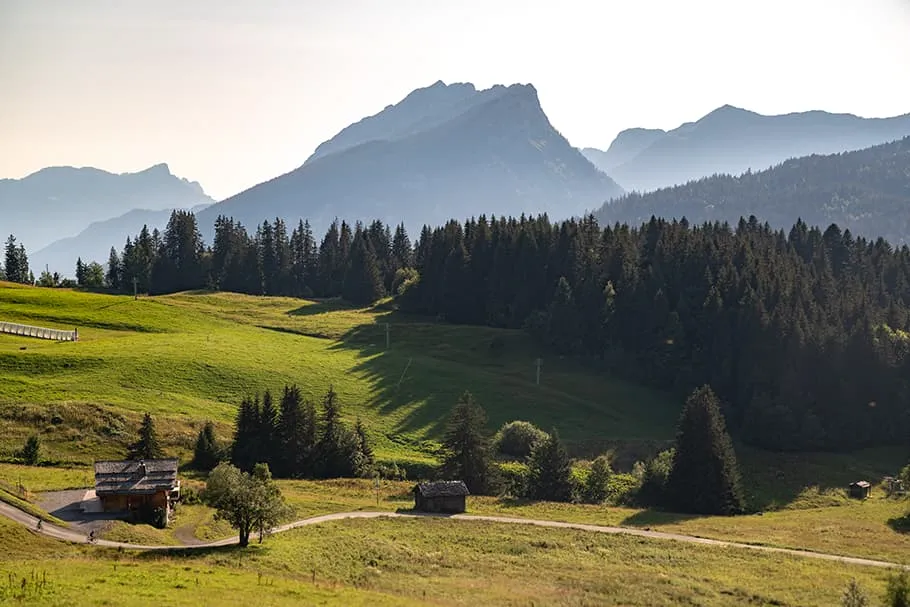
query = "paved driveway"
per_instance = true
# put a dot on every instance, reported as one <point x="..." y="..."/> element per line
<point x="79" y="507"/>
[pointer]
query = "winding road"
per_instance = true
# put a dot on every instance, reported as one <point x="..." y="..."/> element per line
<point x="68" y="535"/>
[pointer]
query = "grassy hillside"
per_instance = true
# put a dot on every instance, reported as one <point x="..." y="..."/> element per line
<point x="191" y="357"/>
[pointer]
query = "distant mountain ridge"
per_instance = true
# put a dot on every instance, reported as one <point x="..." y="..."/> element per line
<point x="865" y="191"/>
<point x="444" y="151"/>
<point x="59" y="202"/>
<point x="95" y="241"/>
<point x="732" y="140"/>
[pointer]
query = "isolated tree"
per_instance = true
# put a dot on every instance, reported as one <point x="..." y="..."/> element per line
<point x="596" y="489"/>
<point x="466" y="446"/>
<point x="550" y="471"/>
<point x="31" y="451"/>
<point x="208" y="452"/>
<point x="704" y="478"/>
<point x="147" y="446"/>
<point x="246" y="502"/>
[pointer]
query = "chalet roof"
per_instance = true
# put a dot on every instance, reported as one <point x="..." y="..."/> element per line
<point x="863" y="484"/>
<point x="135" y="476"/>
<point x="442" y="489"/>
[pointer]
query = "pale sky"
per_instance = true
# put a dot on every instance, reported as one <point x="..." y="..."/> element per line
<point x="232" y="93"/>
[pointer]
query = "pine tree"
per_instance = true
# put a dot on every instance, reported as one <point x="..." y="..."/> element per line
<point x="365" y="461"/>
<point x="80" y="272"/>
<point x="333" y="449"/>
<point x="267" y="433"/>
<point x="466" y="445"/>
<point x="31" y="451"/>
<point x="704" y="478"/>
<point x="245" y="449"/>
<point x="363" y="283"/>
<point x="550" y="471"/>
<point x="15" y="270"/>
<point x="296" y="434"/>
<point x="207" y="453"/>
<point x="147" y="445"/>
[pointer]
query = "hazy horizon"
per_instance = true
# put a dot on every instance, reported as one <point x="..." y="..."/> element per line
<point x="231" y="95"/>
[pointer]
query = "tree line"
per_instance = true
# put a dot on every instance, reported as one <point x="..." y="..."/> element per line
<point x="359" y="263"/>
<point x="803" y="335"/>
<point x="292" y="437"/>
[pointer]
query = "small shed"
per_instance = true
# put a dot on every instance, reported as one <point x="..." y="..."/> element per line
<point x="441" y="496"/>
<point x="860" y="489"/>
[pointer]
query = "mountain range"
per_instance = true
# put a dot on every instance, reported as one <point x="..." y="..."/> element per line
<point x="59" y="202"/>
<point x="865" y="191"/>
<point x="732" y="140"/>
<point x="443" y="151"/>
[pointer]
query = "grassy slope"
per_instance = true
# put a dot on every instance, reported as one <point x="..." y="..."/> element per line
<point x="190" y="357"/>
<point x="400" y="562"/>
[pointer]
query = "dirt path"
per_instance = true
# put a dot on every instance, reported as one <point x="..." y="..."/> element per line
<point x="72" y="536"/>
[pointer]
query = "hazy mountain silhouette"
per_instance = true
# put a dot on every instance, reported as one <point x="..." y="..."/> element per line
<point x="442" y="152"/>
<point x="732" y="140"/>
<point x="625" y="147"/>
<point x="94" y="242"/>
<point x="58" y="202"/>
<point x="865" y="191"/>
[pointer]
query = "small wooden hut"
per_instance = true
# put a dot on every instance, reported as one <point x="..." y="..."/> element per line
<point x="860" y="489"/>
<point x="441" y="496"/>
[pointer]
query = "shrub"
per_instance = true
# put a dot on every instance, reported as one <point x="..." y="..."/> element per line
<point x="514" y="477"/>
<point x="905" y="475"/>
<point x="654" y="479"/>
<point x="392" y="471"/>
<point x="519" y="438"/>
<point x="898" y="592"/>
<point x="854" y="596"/>
<point x="622" y="489"/>
<point x="596" y="485"/>
<point x="404" y="279"/>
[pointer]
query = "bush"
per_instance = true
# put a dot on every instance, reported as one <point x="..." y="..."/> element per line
<point x="854" y="596"/>
<point x="404" y="279"/>
<point x="514" y="479"/>
<point x="654" y="479"/>
<point x="596" y="485"/>
<point x="189" y="495"/>
<point x="898" y="593"/>
<point x="392" y="471"/>
<point x="519" y="438"/>
<point x="905" y="475"/>
<point x="622" y="489"/>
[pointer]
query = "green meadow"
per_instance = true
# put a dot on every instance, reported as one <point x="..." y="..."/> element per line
<point x="191" y="357"/>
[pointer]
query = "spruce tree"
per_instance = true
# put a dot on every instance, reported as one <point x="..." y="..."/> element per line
<point x="550" y="471"/>
<point x="704" y="478"/>
<point x="31" y="451"/>
<point x="245" y="449"/>
<point x="365" y="460"/>
<point x="466" y="445"/>
<point x="267" y="434"/>
<point x="80" y="272"/>
<point x="334" y="444"/>
<point x="363" y="283"/>
<point x="207" y="453"/>
<point x="147" y="445"/>
<point x="296" y="434"/>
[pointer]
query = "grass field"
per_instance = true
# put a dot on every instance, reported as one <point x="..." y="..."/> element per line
<point x="191" y="357"/>
<point x="402" y="562"/>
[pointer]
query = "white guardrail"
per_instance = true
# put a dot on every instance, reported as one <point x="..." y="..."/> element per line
<point x="38" y="332"/>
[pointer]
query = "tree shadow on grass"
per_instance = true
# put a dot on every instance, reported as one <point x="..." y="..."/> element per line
<point x="900" y="524"/>
<point x="648" y="518"/>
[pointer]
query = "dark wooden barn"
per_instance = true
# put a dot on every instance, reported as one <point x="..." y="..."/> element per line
<point x="441" y="496"/>
<point x="860" y="489"/>
<point x="131" y="485"/>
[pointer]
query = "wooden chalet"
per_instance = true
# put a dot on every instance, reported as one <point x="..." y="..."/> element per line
<point x="441" y="496"/>
<point x="860" y="489"/>
<point x="134" y="485"/>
